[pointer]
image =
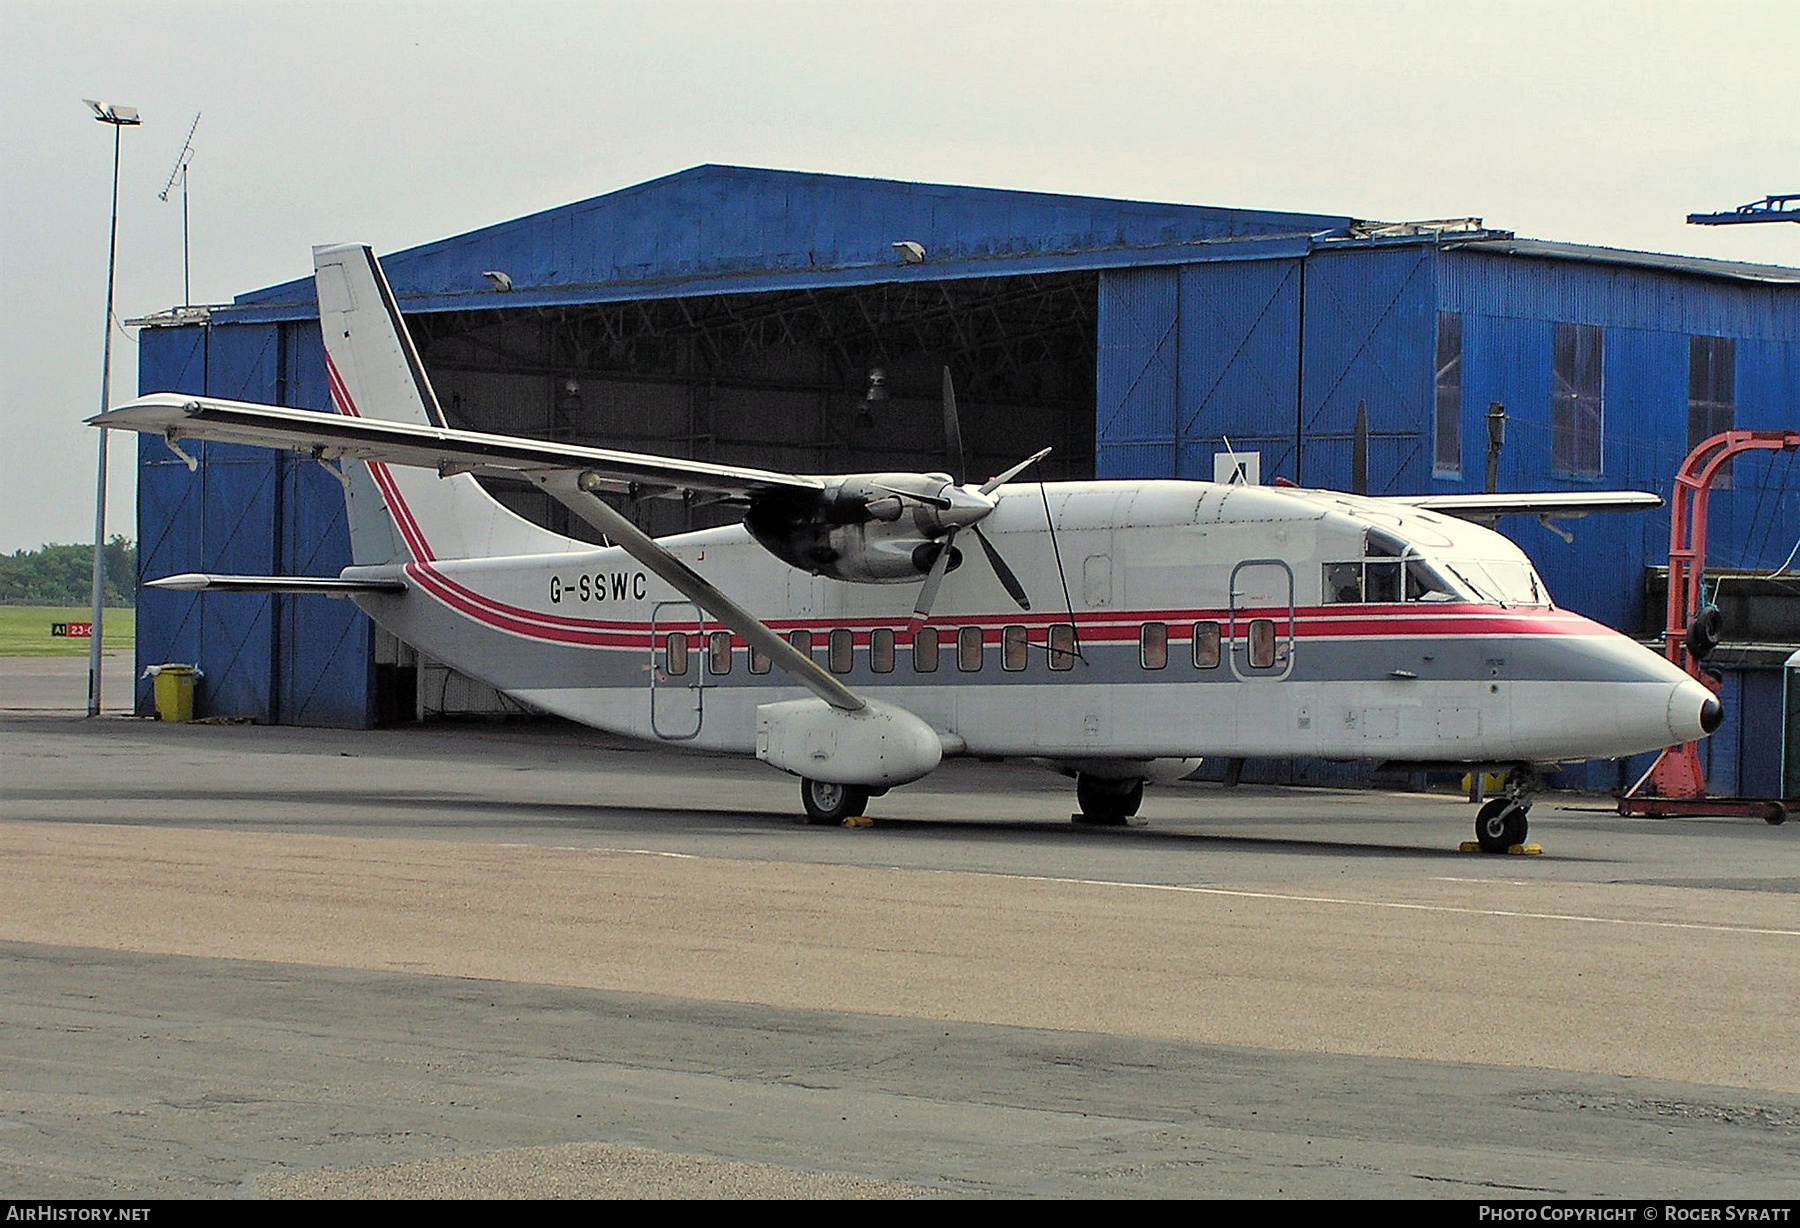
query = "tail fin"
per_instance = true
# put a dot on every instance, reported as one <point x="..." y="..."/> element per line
<point x="375" y="372"/>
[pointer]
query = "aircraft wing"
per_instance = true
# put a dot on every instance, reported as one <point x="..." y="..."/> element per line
<point x="1550" y="504"/>
<point x="327" y="436"/>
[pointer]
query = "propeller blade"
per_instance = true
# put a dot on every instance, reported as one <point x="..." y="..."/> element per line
<point x="938" y="501"/>
<point x="933" y="580"/>
<point x="1002" y="572"/>
<point x="992" y="484"/>
<point x="953" y="449"/>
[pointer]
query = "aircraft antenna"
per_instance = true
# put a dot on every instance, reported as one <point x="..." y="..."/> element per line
<point x="1237" y="467"/>
<point x="180" y="172"/>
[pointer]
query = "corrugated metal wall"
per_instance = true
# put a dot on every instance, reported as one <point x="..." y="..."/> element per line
<point x="324" y="648"/>
<point x="1189" y="357"/>
<point x="1192" y="356"/>
<point x="1370" y="334"/>
<point x="1238" y="337"/>
<point x="297" y="660"/>
<point x="1137" y="365"/>
<point x="168" y="512"/>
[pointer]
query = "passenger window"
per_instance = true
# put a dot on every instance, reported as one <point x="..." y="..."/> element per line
<point x="1153" y="645"/>
<point x="1015" y="647"/>
<point x="675" y="653"/>
<point x="968" y="650"/>
<point x="841" y="652"/>
<point x="801" y="641"/>
<point x="759" y="660"/>
<point x="1262" y="643"/>
<point x="1206" y="645"/>
<point x="1061" y="644"/>
<point x="881" y="650"/>
<point x="925" y="651"/>
<point x="718" y="653"/>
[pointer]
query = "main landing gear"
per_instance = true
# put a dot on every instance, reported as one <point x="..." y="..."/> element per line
<point x="1107" y="803"/>
<point x="828" y="804"/>
<point x="1502" y="822"/>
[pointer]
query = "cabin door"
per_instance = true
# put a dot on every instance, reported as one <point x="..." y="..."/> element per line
<point x="1261" y="633"/>
<point x="677" y="670"/>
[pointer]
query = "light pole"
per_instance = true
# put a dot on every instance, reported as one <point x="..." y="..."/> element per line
<point x="119" y="117"/>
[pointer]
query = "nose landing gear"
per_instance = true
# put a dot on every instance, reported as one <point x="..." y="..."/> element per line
<point x="1502" y="822"/>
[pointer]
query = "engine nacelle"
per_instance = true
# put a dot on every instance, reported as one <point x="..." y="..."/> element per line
<point x="872" y="528"/>
<point x="875" y="747"/>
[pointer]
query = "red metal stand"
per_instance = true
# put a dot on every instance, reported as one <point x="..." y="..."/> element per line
<point x="1677" y="772"/>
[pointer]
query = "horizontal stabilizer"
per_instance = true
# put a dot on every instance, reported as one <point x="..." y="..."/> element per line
<point x="200" y="582"/>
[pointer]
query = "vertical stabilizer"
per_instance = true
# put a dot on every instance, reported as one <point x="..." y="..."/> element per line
<point x="375" y="372"/>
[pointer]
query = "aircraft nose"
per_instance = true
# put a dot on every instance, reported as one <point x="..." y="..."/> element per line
<point x="1694" y="711"/>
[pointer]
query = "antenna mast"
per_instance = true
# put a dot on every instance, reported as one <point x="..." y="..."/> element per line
<point x="181" y="172"/>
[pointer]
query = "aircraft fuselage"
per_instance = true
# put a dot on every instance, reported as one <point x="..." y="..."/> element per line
<point x="1208" y="621"/>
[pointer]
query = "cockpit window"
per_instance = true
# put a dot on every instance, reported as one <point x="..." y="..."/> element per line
<point x="1393" y="571"/>
<point x="1501" y="581"/>
<point x="1389" y="571"/>
<point x="1423" y="583"/>
<point x="1379" y="545"/>
<point x="1381" y="580"/>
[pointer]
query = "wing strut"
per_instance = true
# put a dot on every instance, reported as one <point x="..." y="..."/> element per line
<point x="575" y="491"/>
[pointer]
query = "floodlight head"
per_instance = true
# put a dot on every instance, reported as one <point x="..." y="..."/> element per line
<point x="497" y="280"/>
<point x="113" y="113"/>
<point x="909" y="252"/>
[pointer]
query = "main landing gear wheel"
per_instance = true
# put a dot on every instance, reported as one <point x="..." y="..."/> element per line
<point x="1501" y="824"/>
<point x="827" y="803"/>
<point x="1107" y="803"/>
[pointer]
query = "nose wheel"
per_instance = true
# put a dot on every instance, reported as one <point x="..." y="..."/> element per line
<point x="1502" y="822"/>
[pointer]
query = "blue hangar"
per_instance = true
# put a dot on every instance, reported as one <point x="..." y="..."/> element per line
<point x="799" y="321"/>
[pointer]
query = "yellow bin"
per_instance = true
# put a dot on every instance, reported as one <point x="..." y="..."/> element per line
<point x="173" y="686"/>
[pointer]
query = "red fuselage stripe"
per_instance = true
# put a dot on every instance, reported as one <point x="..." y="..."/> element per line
<point x="1317" y="623"/>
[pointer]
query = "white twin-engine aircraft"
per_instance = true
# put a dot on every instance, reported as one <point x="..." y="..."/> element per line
<point x="1171" y="619"/>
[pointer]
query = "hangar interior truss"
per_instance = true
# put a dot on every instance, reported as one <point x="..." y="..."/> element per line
<point x="813" y="380"/>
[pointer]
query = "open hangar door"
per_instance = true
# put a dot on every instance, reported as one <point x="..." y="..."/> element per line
<point x="811" y="381"/>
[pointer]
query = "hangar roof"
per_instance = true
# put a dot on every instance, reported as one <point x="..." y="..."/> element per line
<point x="732" y="229"/>
<point x="1703" y="266"/>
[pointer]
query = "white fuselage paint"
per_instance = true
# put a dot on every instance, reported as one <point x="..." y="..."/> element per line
<point x="585" y="635"/>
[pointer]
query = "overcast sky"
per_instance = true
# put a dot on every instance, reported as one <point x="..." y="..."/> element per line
<point x="399" y="123"/>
